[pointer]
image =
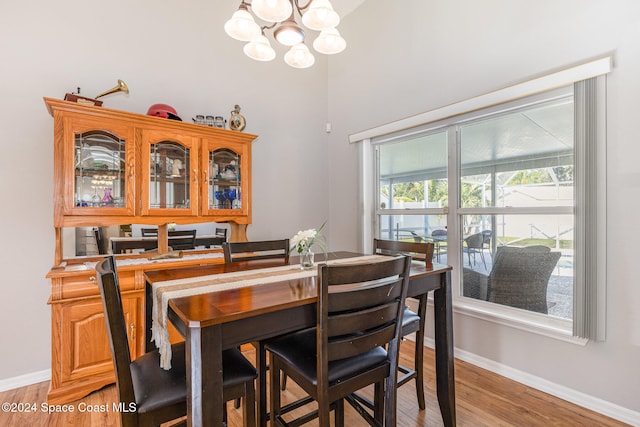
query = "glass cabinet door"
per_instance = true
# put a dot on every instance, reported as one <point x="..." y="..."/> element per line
<point x="170" y="166"/>
<point x="103" y="169"/>
<point x="226" y="192"/>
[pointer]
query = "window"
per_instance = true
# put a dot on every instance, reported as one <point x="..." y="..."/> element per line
<point x="412" y="187"/>
<point x="511" y="195"/>
<point x="521" y="160"/>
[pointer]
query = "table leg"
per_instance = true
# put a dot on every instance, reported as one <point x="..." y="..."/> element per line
<point x="204" y="376"/>
<point x="445" y="378"/>
<point x="261" y="395"/>
<point x="391" y="390"/>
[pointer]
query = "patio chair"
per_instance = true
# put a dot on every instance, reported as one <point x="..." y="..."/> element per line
<point x="519" y="278"/>
<point x="474" y="245"/>
<point x="486" y="241"/>
<point x="439" y="238"/>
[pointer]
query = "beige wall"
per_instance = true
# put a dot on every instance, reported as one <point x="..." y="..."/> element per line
<point x="167" y="52"/>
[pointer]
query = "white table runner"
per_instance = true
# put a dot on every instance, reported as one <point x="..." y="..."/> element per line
<point x="164" y="291"/>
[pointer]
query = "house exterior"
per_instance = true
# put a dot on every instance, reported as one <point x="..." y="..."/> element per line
<point x="400" y="61"/>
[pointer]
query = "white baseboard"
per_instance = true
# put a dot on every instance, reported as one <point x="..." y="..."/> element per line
<point x="25" y="380"/>
<point x="581" y="399"/>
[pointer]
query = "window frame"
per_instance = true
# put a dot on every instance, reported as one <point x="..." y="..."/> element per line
<point x="534" y="322"/>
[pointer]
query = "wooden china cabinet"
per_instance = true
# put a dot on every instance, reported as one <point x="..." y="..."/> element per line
<point x="118" y="168"/>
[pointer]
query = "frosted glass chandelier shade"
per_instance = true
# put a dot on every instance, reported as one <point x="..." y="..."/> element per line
<point x="242" y="26"/>
<point x="259" y="49"/>
<point x="299" y="56"/>
<point x="329" y="42"/>
<point x="289" y="33"/>
<point x="320" y="16"/>
<point x="272" y="10"/>
<point x="289" y="21"/>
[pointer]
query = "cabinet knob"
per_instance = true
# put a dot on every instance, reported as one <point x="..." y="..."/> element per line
<point x="131" y="170"/>
<point x="92" y="278"/>
<point x="132" y="335"/>
<point x="195" y="175"/>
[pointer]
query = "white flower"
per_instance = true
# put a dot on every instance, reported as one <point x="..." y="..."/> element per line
<point x="306" y="238"/>
<point x="303" y="238"/>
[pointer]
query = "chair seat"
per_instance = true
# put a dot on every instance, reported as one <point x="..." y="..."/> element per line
<point x="299" y="349"/>
<point x="156" y="388"/>
<point x="410" y="322"/>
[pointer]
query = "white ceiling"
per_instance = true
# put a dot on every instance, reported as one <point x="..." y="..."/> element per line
<point x="345" y="7"/>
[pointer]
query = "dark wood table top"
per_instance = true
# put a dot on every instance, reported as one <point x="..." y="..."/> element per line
<point x="251" y="313"/>
<point x="228" y="305"/>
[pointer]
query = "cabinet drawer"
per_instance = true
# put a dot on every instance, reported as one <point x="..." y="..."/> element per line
<point x="85" y="284"/>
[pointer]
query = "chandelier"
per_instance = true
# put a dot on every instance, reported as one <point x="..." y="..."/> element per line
<point x="279" y="16"/>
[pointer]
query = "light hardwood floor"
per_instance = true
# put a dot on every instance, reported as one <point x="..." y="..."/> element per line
<point x="482" y="399"/>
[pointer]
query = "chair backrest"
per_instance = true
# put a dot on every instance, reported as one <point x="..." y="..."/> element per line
<point x="487" y="234"/>
<point x="475" y="241"/>
<point x="418" y="250"/>
<point x="248" y="251"/>
<point x="439" y="232"/>
<point x="116" y="327"/>
<point x="149" y="232"/>
<point x="360" y="308"/>
<point x="100" y="240"/>
<point x="221" y="232"/>
<point x="520" y="276"/>
<point x="182" y="239"/>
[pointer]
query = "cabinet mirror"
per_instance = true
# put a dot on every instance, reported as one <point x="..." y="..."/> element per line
<point x="90" y="241"/>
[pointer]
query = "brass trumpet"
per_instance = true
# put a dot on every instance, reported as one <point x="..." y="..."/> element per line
<point x="120" y="87"/>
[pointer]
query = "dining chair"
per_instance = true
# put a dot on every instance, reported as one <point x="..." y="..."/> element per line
<point x="355" y="343"/>
<point x="221" y="232"/>
<point x="182" y="239"/>
<point x="256" y="250"/>
<point x="149" y="232"/>
<point x="411" y="322"/>
<point x="252" y="251"/>
<point x="160" y="395"/>
<point x="100" y="242"/>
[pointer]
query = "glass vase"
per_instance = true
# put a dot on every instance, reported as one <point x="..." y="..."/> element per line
<point x="306" y="258"/>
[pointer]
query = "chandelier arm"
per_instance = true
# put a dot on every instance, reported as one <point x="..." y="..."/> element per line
<point x="269" y="27"/>
<point x="301" y="8"/>
<point x="294" y="6"/>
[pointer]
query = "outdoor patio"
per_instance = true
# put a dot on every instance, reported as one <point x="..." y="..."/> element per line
<point x="559" y="288"/>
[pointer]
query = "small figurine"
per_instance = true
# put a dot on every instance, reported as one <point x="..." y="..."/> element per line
<point x="108" y="198"/>
<point x="237" y="121"/>
<point x="177" y="165"/>
<point x="213" y="170"/>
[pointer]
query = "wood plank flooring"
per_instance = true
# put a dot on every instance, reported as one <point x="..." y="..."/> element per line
<point x="482" y="399"/>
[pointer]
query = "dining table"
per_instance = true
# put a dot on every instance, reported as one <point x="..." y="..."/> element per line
<point x="275" y="301"/>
